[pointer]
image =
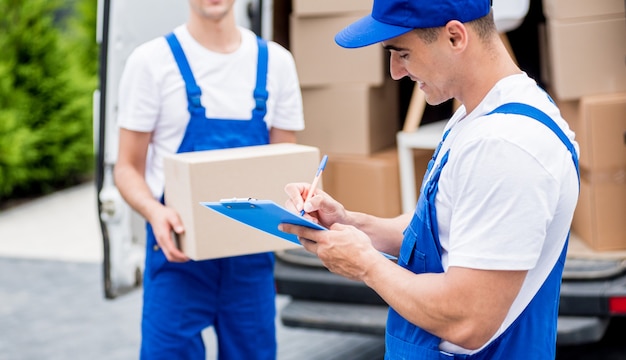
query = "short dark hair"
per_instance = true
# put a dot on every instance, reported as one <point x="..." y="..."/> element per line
<point x="484" y="26"/>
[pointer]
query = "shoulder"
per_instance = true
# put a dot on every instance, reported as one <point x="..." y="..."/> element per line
<point x="276" y="52"/>
<point x="149" y="64"/>
<point x="281" y="62"/>
<point x="516" y="143"/>
<point x="150" y="53"/>
<point x="517" y="89"/>
<point x="279" y="51"/>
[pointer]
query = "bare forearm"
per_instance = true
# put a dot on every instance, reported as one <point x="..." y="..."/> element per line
<point x="134" y="190"/>
<point x="420" y="299"/>
<point x="385" y="233"/>
<point x="463" y="306"/>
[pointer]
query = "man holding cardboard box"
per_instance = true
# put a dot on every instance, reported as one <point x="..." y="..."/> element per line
<point x="192" y="90"/>
<point x="480" y="261"/>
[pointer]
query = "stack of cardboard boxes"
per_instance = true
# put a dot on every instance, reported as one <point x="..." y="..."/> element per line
<point x="585" y="71"/>
<point x="351" y="106"/>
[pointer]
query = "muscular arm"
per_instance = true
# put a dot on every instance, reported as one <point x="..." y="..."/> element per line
<point x="386" y="234"/>
<point x="463" y="306"/>
<point x="130" y="180"/>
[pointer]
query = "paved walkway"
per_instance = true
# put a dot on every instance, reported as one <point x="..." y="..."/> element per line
<point x="51" y="301"/>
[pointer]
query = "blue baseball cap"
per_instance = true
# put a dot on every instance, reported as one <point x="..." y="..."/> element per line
<point x="392" y="18"/>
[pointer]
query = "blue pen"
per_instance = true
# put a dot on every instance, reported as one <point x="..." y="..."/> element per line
<point x="318" y="175"/>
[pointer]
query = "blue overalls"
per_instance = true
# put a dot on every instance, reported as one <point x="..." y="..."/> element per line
<point x="234" y="295"/>
<point x="531" y="336"/>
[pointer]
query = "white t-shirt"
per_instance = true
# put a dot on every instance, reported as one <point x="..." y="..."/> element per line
<point x="152" y="95"/>
<point x="507" y="194"/>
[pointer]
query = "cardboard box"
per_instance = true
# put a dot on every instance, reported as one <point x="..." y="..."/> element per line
<point x="421" y="157"/>
<point x="330" y="7"/>
<point x="320" y="61"/>
<point x="599" y="122"/>
<point x="586" y="56"/>
<point x="571" y="9"/>
<point x="601" y="210"/>
<point x="370" y="184"/>
<point x="351" y="119"/>
<point x="258" y="171"/>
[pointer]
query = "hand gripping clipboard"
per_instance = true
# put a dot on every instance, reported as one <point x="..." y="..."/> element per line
<point x="265" y="215"/>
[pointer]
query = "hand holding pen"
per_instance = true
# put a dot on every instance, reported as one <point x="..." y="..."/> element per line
<point x="316" y="180"/>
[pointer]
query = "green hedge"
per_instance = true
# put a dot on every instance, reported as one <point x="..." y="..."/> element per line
<point x="47" y="77"/>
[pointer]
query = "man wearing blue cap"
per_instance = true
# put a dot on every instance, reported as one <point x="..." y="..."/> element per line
<point x="480" y="260"/>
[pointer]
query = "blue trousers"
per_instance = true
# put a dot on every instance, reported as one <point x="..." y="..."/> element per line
<point x="235" y="295"/>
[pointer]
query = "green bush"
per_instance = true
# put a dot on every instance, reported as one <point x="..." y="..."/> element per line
<point x="46" y="82"/>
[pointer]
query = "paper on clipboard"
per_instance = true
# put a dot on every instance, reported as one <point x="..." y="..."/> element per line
<point x="264" y="215"/>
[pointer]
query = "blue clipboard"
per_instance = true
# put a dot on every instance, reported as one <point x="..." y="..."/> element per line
<point x="264" y="215"/>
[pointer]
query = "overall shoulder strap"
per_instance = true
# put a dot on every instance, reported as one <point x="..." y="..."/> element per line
<point x="193" y="90"/>
<point x="260" y="90"/>
<point x="533" y="112"/>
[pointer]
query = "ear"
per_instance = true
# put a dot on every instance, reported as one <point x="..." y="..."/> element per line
<point x="456" y="34"/>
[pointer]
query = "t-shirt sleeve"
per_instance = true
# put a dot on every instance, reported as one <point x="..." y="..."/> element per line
<point x="138" y="96"/>
<point x="288" y="108"/>
<point x="503" y="201"/>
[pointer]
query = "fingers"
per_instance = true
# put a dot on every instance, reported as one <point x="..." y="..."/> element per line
<point x="296" y="193"/>
<point x="314" y="203"/>
<point x="309" y="245"/>
<point x="306" y="236"/>
<point x="167" y="233"/>
<point x="292" y="229"/>
<point x="168" y="242"/>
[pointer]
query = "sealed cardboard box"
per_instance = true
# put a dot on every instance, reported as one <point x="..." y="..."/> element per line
<point x="602" y="129"/>
<point x="421" y="157"/>
<point x="329" y="7"/>
<point x="571" y="9"/>
<point x="370" y="183"/>
<point x="599" y="122"/>
<point x="320" y="61"/>
<point x="259" y="172"/>
<point x="585" y="56"/>
<point x="601" y="210"/>
<point x="350" y="119"/>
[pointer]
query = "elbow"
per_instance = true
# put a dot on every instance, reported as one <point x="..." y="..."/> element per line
<point x="121" y="171"/>
<point x="118" y="174"/>
<point x="471" y="336"/>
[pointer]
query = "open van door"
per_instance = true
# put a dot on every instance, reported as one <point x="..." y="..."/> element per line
<point x="122" y="26"/>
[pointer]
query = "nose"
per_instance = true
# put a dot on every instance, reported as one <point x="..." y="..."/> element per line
<point x="396" y="67"/>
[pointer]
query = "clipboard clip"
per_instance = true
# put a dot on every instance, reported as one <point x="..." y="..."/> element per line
<point x="238" y="202"/>
<point x="236" y="199"/>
